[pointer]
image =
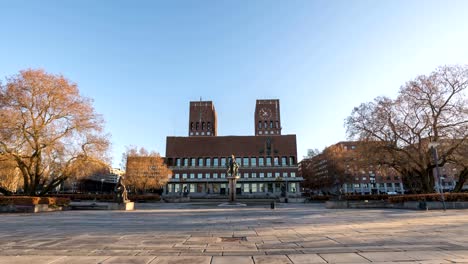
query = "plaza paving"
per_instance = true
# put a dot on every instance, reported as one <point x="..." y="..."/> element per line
<point x="205" y="233"/>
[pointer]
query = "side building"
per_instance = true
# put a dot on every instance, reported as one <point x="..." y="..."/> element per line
<point x="268" y="160"/>
<point x="341" y="167"/>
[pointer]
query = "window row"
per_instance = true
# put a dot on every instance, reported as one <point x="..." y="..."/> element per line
<point x="264" y="124"/>
<point x="241" y="188"/>
<point x="200" y="126"/>
<point x="243" y="162"/>
<point x="245" y="175"/>
<point x="268" y="132"/>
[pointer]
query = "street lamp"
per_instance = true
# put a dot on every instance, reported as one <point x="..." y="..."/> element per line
<point x="102" y="184"/>
<point x="437" y="179"/>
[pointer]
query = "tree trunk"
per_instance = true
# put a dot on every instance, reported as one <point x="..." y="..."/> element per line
<point x="461" y="180"/>
<point x="5" y="191"/>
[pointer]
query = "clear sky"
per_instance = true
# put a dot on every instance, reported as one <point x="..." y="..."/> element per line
<point x="143" y="61"/>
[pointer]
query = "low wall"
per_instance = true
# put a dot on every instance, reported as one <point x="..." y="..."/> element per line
<point x="414" y="205"/>
<point x="37" y="208"/>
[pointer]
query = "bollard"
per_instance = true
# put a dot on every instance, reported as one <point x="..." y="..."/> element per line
<point x="272" y="205"/>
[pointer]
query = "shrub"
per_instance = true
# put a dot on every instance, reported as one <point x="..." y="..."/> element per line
<point x="358" y="197"/>
<point x="319" y="198"/>
<point x="430" y="197"/>
<point x="31" y="200"/>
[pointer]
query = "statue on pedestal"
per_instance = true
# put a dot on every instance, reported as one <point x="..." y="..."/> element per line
<point x="120" y="192"/>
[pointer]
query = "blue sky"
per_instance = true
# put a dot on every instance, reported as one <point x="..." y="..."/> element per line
<point x="143" y="61"/>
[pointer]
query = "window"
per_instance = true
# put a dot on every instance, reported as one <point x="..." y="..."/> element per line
<point x="268" y="161"/>
<point x="184" y="176"/>
<point x="266" y="124"/>
<point x="208" y="126"/>
<point x="253" y="162"/>
<point x="203" y="126"/>
<point x="277" y="124"/>
<point x="269" y="174"/>
<point x="261" y="187"/>
<point x="271" y="124"/>
<point x="207" y="175"/>
<point x="277" y="174"/>
<point x="177" y="188"/>
<point x="223" y="175"/>
<point x="192" y="175"/>
<point x="283" y="161"/>
<point x="215" y="175"/>
<point x="177" y="162"/>
<point x="208" y="162"/>
<point x="170" y="187"/>
<point x="254" y="175"/>
<point x="191" y="126"/>
<point x="193" y="161"/>
<point x="197" y="126"/>
<point x="357" y="185"/>
<point x="293" y="174"/>
<point x="260" y="162"/>
<point x="389" y="184"/>
<point x="293" y="187"/>
<point x="254" y="187"/>
<point x="262" y="175"/>
<point x="245" y="162"/>
<point x="364" y="178"/>
<point x="192" y="187"/>
<point x="246" y="175"/>
<point x="200" y="175"/>
<point x="260" y="124"/>
<point x="291" y="161"/>
<point x="215" y="162"/>
<point x="185" y="162"/>
<point x="223" y="162"/>
<point x="259" y="132"/>
<point x="246" y="187"/>
<point x="285" y="174"/>
<point x="238" y="161"/>
<point x="276" y="161"/>
<point x="176" y="176"/>
<point x="200" y="162"/>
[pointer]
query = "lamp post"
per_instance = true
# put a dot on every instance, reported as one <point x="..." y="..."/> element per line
<point x="437" y="180"/>
<point x="102" y="184"/>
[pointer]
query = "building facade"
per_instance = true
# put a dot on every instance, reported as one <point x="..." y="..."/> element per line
<point x="267" y="161"/>
<point x="340" y="167"/>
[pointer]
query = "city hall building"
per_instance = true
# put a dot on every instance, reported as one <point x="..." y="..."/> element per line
<point x="267" y="160"/>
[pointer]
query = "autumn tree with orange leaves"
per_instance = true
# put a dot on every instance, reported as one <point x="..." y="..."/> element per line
<point x="144" y="170"/>
<point x="48" y="130"/>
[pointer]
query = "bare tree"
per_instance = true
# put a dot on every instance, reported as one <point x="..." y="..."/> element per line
<point x="144" y="170"/>
<point x="428" y="109"/>
<point x="48" y="129"/>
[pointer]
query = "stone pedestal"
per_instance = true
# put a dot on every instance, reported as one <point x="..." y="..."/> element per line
<point x="232" y="188"/>
<point x="128" y="206"/>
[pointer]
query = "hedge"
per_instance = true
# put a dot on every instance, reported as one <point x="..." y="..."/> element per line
<point x="358" y="197"/>
<point x="429" y="197"/>
<point x="108" y="197"/>
<point x="32" y="200"/>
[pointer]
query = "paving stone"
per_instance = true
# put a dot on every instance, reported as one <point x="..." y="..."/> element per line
<point x="306" y="259"/>
<point x="129" y="260"/>
<point x="344" y="258"/>
<point x="28" y="259"/>
<point x="182" y="260"/>
<point x="81" y="260"/>
<point x="387" y="256"/>
<point x="271" y="260"/>
<point x="232" y="260"/>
